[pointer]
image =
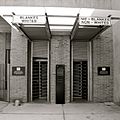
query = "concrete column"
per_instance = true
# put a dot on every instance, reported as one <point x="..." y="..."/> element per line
<point x="116" y="56"/>
<point x="18" y="84"/>
<point x="60" y="54"/>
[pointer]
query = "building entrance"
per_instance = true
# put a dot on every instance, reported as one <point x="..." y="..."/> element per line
<point x="80" y="81"/>
<point x="39" y="80"/>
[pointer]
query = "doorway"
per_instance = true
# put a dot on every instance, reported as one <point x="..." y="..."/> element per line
<point x="39" y="80"/>
<point x="80" y="81"/>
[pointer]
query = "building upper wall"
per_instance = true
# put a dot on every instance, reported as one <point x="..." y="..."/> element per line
<point x="4" y="26"/>
<point x="116" y="4"/>
<point x="99" y="4"/>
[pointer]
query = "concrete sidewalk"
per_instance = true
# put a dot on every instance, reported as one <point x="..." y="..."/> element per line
<point x="3" y="105"/>
<point x="82" y="111"/>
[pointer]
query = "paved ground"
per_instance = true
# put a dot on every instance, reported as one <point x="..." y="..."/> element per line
<point x="82" y="111"/>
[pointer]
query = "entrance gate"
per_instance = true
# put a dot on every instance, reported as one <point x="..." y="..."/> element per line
<point x="80" y="81"/>
<point x="39" y="83"/>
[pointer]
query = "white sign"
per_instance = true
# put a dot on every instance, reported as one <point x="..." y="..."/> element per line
<point x="94" y="21"/>
<point x="29" y="19"/>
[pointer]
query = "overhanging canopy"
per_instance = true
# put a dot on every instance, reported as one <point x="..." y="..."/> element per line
<point x="35" y="27"/>
<point x="86" y="28"/>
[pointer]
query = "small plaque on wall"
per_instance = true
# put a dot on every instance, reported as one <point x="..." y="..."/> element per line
<point x="18" y="71"/>
<point x="103" y="70"/>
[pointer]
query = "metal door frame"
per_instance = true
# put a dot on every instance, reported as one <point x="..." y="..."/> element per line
<point x="43" y="60"/>
<point x="48" y="68"/>
<point x="89" y="62"/>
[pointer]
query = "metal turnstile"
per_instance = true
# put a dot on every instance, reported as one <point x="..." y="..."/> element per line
<point x="39" y="83"/>
<point x="80" y="81"/>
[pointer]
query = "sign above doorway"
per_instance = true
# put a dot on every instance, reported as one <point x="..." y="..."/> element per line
<point x="94" y="21"/>
<point x="29" y="19"/>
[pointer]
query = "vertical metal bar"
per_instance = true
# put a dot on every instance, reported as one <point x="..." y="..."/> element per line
<point x="71" y="71"/>
<point x="48" y="80"/>
<point x="8" y="82"/>
<point x="88" y="57"/>
<point x="31" y="68"/>
<point x="4" y="91"/>
<point x="90" y="73"/>
<point x="40" y="81"/>
<point x="81" y="82"/>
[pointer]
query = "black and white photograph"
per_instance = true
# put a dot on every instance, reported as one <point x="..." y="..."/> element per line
<point x="59" y="60"/>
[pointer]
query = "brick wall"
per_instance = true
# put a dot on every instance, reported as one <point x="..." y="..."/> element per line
<point x="80" y="50"/>
<point x="18" y="84"/>
<point x="60" y="54"/>
<point x="4" y="26"/>
<point x="40" y="48"/>
<point x="103" y="56"/>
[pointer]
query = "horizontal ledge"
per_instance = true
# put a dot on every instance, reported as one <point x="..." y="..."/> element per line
<point x="60" y="25"/>
<point x="69" y="16"/>
<point x="33" y="25"/>
<point x="115" y="18"/>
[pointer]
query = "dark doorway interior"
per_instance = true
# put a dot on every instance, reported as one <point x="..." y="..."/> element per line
<point x="60" y="84"/>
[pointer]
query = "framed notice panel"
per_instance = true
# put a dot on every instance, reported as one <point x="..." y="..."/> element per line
<point x="18" y="71"/>
<point x="103" y="71"/>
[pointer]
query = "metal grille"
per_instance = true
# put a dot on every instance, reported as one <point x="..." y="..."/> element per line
<point x="43" y="81"/>
<point x="39" y="91"/>
<point x="80" y="80"/>
<point x="35" y="82"/>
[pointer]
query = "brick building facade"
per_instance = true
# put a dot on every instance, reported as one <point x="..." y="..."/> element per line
<point x="76" y="60"/>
